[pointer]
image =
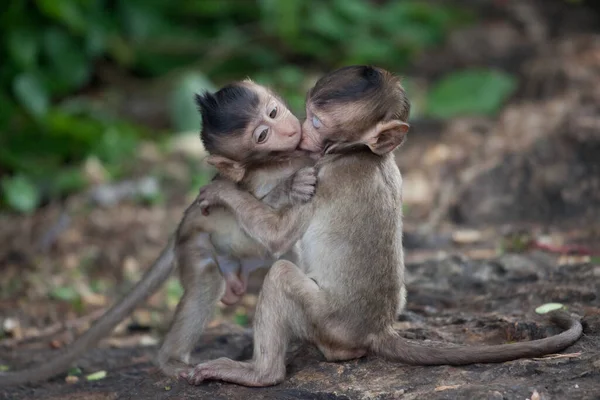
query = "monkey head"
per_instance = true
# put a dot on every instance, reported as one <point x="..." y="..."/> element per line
<point x="244" y="123"/>
<point x="355" y="106"/>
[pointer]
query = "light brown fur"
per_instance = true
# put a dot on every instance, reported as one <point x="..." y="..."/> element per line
<point x="278" y="179"/>
<point x="343" y="291"/>
<point x="200" y="239"/>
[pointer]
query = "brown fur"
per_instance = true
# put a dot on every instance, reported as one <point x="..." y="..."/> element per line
<point x="276" y="174"/>
<point x="343" y="291"/>
<point x="200" y="238"/>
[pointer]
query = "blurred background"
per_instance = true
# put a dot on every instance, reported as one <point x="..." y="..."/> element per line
<point x="99" y="148"/>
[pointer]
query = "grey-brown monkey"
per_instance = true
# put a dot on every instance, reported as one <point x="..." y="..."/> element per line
<point x="252" y="138"/>
<point x="343" y="293"/>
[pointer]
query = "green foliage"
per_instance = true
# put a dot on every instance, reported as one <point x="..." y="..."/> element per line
<point x="52" y="51"/>
<point x="241" y="317"/>
<point x="184" y="111"/>
<point x="174" y="291"/>
<point x="471" y="92"/>
<point x="74" y="371"/>
<point x="65" y="293"/>
<point x="20" y="193"/>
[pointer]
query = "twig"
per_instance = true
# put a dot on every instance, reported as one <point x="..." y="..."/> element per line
<point x="558" y="356"/>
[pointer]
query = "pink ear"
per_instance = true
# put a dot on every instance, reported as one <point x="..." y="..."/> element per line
<point x="230" y="169"/>
<point x="387" y="136"/>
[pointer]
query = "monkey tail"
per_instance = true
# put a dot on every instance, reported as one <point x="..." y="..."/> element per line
<point x="149" y="283"/>
<point x="392" y="346"/>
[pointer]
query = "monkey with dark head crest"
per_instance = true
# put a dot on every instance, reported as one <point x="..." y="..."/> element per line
<point x="252" y="139"/>
<point x="343" y="292"/>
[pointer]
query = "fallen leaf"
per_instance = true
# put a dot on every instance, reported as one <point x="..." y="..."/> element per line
<point x="466" y="236"/>
<point x="546" y="308"/>
<point x="446" y="387"/>
<point x="96" y="376"/>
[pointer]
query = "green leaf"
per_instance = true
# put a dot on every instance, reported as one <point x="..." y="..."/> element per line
<point x="96" y="376"/>
<point x="4" y="368"/>
<point x="65" y="293"/>
<point x="241" y="318"/>
<point x="174" y="290"/>
<point x="75" y="371"/>
<point x="20" y="193"/>
<point x="68" y="180"/>
<point x="116" y="145"/>
<point x="288" y="18"/>
<point x="324" y="21"/>
<point x="23" y="47"/>
<point x="66" y="12"/>
<point x="31" y="93"/>
<point x="546" y="308"/>
<point x="184" y="112"/>
<point x="69" y="64"/>
<point x="470" y="92"/>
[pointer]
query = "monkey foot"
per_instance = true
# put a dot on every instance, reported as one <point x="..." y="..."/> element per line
<point x="205" y="371"/>
<point x="227" y="370"/>
<point x="196" y="375"/>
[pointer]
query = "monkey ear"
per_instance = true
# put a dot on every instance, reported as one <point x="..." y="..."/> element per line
<point x="230" y="169"/>
<point x="387" y="136"/>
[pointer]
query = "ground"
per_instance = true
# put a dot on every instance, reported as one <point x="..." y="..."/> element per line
<point x="455" y="300"/>
<point x="501" y="217"/>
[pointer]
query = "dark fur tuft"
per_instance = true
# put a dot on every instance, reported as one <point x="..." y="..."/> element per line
<point x="346" y="84"/>
<point x="226" y="112"/>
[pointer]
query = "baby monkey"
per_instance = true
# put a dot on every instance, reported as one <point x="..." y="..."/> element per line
<point x="252" y="138"/>
<point x="255" y="137"/>
<point x="342" y="294"/>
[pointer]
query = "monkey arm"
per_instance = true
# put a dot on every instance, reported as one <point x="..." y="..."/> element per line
<point x="277" y="230"/>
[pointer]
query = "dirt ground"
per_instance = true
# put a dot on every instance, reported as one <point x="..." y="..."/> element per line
<point x="454" y="300"/>
<point x="501" y="217"/>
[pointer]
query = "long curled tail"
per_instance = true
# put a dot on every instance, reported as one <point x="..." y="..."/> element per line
<point x="392" y="346"/>
<point x="150" y="282"/>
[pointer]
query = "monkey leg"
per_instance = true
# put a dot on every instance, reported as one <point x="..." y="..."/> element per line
<point x="204" y="285"/>
<point x="287" y="298"/>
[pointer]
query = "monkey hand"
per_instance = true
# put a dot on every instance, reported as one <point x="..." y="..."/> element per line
<point x="303" y="185"/>
<point x="212" y="194"/>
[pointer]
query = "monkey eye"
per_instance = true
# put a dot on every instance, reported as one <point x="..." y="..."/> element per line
<point x="273" y="113"/>
<point x="316" y="123"/>
<point x="262" y="135"/>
